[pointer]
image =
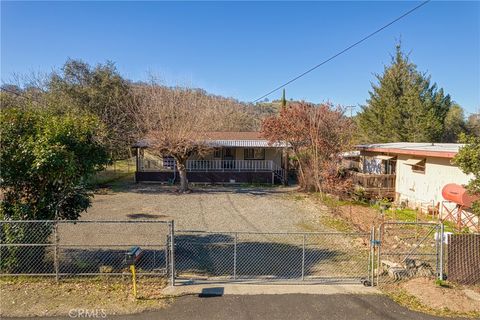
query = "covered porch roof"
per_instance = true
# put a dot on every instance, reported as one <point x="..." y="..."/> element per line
<point x="251" y="139"/>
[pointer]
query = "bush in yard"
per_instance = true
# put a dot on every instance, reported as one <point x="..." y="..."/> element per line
<point x="468" y="159"/>
<point x="46" y="163"/>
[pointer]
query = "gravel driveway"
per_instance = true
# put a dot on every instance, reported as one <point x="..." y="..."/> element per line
<point x="218" y="210"/>
<point x="267" y="209"/>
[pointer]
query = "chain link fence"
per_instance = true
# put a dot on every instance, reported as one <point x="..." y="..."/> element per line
<point x="227" y="256"/>
<point x="81" y="248"/>
<point x="395" y="251"/>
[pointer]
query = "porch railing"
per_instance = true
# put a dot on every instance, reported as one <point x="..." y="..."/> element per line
<point x="230" y="165"/>
<point x="212" y="165"/>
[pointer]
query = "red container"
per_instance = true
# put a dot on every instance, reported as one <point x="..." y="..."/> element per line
<point x="458" y="194"/>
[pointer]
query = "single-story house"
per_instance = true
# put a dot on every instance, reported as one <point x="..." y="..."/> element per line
<point x="235" y="157"/>
<point x="419" y="170"/>
<point x="413" y="174"/>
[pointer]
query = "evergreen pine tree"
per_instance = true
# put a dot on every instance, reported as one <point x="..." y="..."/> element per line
<point x="284" y="100"/>
<point x="404" y="105"/>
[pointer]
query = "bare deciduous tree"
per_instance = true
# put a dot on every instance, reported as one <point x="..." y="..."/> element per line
<point x="173" y="120"/>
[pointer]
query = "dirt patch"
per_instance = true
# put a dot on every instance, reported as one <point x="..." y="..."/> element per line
<point x="339" y="215"/>
<point x="454" y="298"/>
<point x="362" y="217"/>
<point x="31" y="297"/>
<point x="424" y="295"/>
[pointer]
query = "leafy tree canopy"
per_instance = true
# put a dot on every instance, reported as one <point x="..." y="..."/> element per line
<point x="101" y="91"/>
<point x="46" y="163"/>
<point x="454" y="124"/>
<point x="473" y="124"/>
<point x="468" y="159"/>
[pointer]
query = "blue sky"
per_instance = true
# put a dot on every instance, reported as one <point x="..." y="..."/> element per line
<point x="244" y="50"/>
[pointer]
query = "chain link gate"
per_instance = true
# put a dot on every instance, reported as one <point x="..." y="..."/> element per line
<point x="403" y="250"/>
<point x="263" y="256"/>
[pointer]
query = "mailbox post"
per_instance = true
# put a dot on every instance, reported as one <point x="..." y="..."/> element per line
<point x="131" y="258"/>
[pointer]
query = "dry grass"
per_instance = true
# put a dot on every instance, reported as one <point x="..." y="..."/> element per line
<point x="33" y="297"/>
<point x="119" y="170"/>
<point x="423" y="295"/>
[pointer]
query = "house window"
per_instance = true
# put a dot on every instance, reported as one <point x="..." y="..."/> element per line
<point x="254" y="154"/>
<point x="418" y="165"/>
<point x="419" y="168"/>
<point x="390" y="166"/>
<point x="217" y="153"/>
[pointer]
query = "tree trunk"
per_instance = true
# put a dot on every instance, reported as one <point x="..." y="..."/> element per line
<point x="182" y="171"/>
<point x="302" y="180"/>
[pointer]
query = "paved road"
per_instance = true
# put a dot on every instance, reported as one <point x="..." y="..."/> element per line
<point x="279" y="307"/>
<point x="283" y="307"/>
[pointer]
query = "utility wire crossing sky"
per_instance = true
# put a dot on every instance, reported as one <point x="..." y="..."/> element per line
<point x="243" y="49"/>
<point x="343" y="51"/>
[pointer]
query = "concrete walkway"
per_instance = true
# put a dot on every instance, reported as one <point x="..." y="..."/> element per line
<point x="252" y="288"/>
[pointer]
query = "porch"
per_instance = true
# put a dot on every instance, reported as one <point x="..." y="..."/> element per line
<point x="375" y="185"/>
<point x="235" y="157"/>
<point x="212" y="171"/>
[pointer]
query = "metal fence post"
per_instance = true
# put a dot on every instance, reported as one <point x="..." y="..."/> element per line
<point x="303" y="257"/>
<point x="172" y="253"/>
<point x="379" y="250"/>
<point x="442" y="230"/>
<point x="235" y="256"/>
<point x="372" y="257"/>
<point x="55" y="255"/>
<point x="166" y="253"/>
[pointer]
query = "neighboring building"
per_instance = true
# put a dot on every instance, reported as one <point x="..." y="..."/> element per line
<point x="351" y="160"/>
<point x="412" y="173"/>
<point x="236" y="157"/>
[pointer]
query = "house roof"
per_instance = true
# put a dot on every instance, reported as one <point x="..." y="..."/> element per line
<point x="229" y="139"/>
<point x="440" y="150"/>
<point x="233" y="135"/>
<point x="239" y="139"/>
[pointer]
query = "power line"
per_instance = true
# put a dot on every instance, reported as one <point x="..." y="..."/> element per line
<point x="345" y="50"/>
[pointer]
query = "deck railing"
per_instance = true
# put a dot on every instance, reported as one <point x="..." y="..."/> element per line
<point x="371" y="181"/>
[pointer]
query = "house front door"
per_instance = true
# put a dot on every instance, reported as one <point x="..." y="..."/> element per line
<point x="228" y="154"/>
<point x="228" y="157"/>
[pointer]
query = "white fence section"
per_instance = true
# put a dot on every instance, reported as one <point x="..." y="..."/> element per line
<point x="230" y="165"/>
<point x="213" y="165"/>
